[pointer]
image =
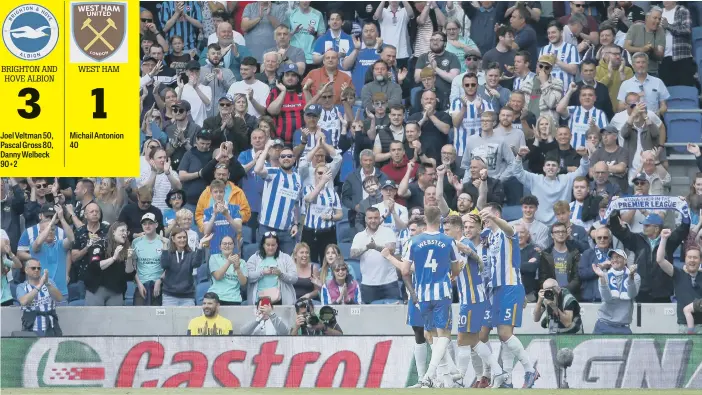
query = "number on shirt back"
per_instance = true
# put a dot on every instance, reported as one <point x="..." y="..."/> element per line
<point x="431" y="262"/>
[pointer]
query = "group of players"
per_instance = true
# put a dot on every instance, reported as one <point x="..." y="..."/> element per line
<point x="481" y="252"/>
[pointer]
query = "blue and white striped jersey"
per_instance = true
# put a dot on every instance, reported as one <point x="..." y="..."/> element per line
<point x="517" y="83"/>
<point x="566" y="53"/>
<point x="504" y="256"/>
<point x="579" y="123"/>
<point x="576" y="215"/>
<point x="326" y="202"/>
<point x="470" y="124"/>
<point x="43" y="302"/>
<point x="432" y="255"/>
<point x="471" y="289"/>
<point x="281" y="196"/>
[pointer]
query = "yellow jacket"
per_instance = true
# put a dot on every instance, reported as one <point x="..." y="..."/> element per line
<point x="612" y="82"/>
<point x="236" y="197"/>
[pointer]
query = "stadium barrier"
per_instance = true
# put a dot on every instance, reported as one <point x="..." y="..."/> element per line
<point x="388" y="320"/>
<point x="368" y="361"/>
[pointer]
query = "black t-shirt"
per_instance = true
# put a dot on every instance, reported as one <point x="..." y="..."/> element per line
<point x="432" y="139"/>
<point x="633" y="14"/>
<point x="686" y="293"/>
<point x="85" y="238"/>
<point x="131" y="215"/>
<point x="417" y="197"/>
<point x="112" y="277"/>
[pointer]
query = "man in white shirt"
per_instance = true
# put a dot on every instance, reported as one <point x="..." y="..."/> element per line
<point x="218" y="17"/>
<point x="378" y="275"/>
<point x="256" y="91"/>
<point x="394" y="23"/>
<point x="199" y="96"/>
<point x="394" y="216"/>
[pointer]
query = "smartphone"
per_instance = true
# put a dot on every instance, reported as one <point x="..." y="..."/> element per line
<point x="265" y="300"/>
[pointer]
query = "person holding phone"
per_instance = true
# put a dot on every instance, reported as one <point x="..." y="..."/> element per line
<point x="266" y="322"/>
<point x="229" y="273"/>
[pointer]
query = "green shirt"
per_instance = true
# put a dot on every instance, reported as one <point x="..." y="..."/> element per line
<point x="301" y="37"/>
<point x="267" y="281"/>
<point x="228" y="288"/>
<point x="148" y="255"/>
<point x="459" y="52"/>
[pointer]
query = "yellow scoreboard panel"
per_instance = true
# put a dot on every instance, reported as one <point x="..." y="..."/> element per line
<point x="69" y="85"/>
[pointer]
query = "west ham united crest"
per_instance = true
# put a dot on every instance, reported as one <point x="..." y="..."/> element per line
<point x="99" y="32"/>
<point x="30" y="32"/>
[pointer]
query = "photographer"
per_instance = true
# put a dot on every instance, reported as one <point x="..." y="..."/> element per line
<point x="308" y="323"/>
<point x="562" y="310"/>
<point x="267" y="322"/>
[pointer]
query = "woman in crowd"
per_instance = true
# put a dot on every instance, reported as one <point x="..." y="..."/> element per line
<point x="179" y="262"/>
<point x="159" y="176"/>
<point x="152" y="127"/>
<point x="271" y="273"/>
<point x="241" y="108"/>
<point x="542" y="143"/>
<point x="229" y="273"/>
<point x="111" y="197"/>
<point x="109" y="268"/>
<point x="306" y="273"/>
<point x="266" y="124"/>
<point x="175" y="199"/>
<point x="342" y="288"/>
<point x="458" y="44"/>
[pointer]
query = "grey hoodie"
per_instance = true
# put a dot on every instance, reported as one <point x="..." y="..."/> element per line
<point x="618" y="311"/>
<point x="255" y="327"/>
<point x="178" y="281"/>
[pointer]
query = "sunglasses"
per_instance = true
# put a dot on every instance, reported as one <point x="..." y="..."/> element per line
<point x="545" y="66"/>
<point x="147" y="20"/>
<point x="225" y="104"/>
<point x="269" y="234"/>
<point x="145" y="201"/>
<point x="176" y="197"/>
<point x="34" y="268"/>
<point x="341" y="270"/>
<point x="41" y="186"/>
<point x="640" y="183"/>
<point x="470" y="85"/>
<point x="603" y="238"/>
<point x="178" y="110"/>
<point x="472" y="57"/>
<point x="579" y="5"/>
<point x="153" y="146"/>
<point x="286" y="156"/>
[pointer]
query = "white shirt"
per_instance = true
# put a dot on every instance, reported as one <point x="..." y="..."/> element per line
<point x="260" y="93"/>
<point x="394" y="28"/>
<point x="161" y="186"/>
<point x="238" y="38"/>
<point x="198" y="109"/>
<point x="375" y="269"/>
<point x="389" y="218"/>
<point x="670" y="16"/>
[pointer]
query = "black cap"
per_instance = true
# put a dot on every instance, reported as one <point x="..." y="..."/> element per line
<point x="48" y="209"/>
<point x="192" y="65"/>
<point x="389" y="184"/>
<point x="148" y="58"/>
<point x="182" y="104"/>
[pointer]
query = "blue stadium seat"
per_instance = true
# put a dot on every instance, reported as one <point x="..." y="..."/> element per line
<point x="249" y="250"/>
<point x="413" y="95"/>
<point x="247" y="234"/>
<point x="200" y="291"/>
<point x="342" y="228"/>
<point x="355" y="268"/>
<point x="386" y="301"/>
<point x="347" y="165"/>
<point x="683" y="128"/>
<point x="13" y="290"/>
<point x="697" y="43"/>
<point x="511" y="213"/>
<point x="683" y="97"/>
<point x="345" y="250"/>
<point x="129" y="295"/>
<point x="78" y="302"/>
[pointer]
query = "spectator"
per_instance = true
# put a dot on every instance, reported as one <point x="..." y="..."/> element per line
<point x="677" y="66"/>
<point x="619" y="286"/>
<point x="651" y="90"/>
<point x="190" y="172"/>
<point x="286" y="104"/>
<point x="492" y="92"/>
<point x="584" y="117"/>
<point x="640" y="130"/>
<point x="413" y="192"/>
<point x="487" y="146"/>
<point x="306" y="24"/>
<point x="561" y="308"/>
<point x="333" y="39"/>
<point x="602" y="186"/>
<point x="147" y="27"/>
<point x="210" y="323"/>
<point x="523" y="76"/>
<point x="147" y="252"/>
<point x="602" y="96"/>
<point x="567" y="59"/>
<point x="227" y="126"/>
<point x="473" y="66"/>
<point x="381" y="84"/>
<point x="133" y="211"/>
<point x="560" y="261"/>
<point x="158" y="177"/>
<point x="109" y="264"/>
<point x="379" y="276"/>
<point x="322" y="211"/>
<point x="269" y="70"/>
<point x="167" y="75"/>
<point x="198" y="96"/>
<point x="435" y="126"/>
<point x="413" y="147"/>
<point x="445" y="64"/>
<point x="38" y="296"/>
<point x="328" y="75"/>
<point x="228" y="272"/>
<point x="342" y="288"/>
<point x="577" y="236"/>
<point x="219" y="16"/>
<point x="529" y="262"/>
<point x="458" y="44"/>
<point x="334" y="117"/>
<point x="307" y="273"/>
<point x="84" y="194"/>
<point x="178" y="137"/>
<point x="483" y="18"/>
<point x="428" y="79"/>
<point x="286" y="52"/>
<point x="394" y="215"/>
<point x="504" y="52"/>
<point x="182" y="18"/>
<point x="178" y="263"/>
<point x="524" y="34"/>
<point x="393" y="133"/>
<point x="377" y="121"/>
<point x="543" y="142"/>
<point x="39" y="196"/>
<point x="466" y="115"/>
<point x="112" y="197"/>
<point x="585" y="207"/>
<point x="612" y="71"/>
<point x="474" y="177"/>
<point x="686" y="283"/>
<point x="656" y="287"/>
<point x="394" y="22"/>
<point x="596" y="255"/>
<point x="523" y="118"/>
<point x="271" y="273"/>
<point x="353" y="191"/>
<point x="51" y="252"/>
<point x="624" y="14"/>
<point x="258" y="23"/>
<point x="256" y="91"/>
<point x="547" y="90"/>
<point x="215" y="77"/>
<point x="222" y="217"/>
<point x="371" y="186"/>
<point x="92" y="233"/>
<point x="307" y="323"/>
<point x="657" y="176"/>
<point x="538" y="232"/>
<point x="266" y="322"/>
<point x="579" y="8"/>
<point x="574" y="35"/>
<point x="454" y="174"/>
<point x="648" y="38"/>
<point x="615" y="160"/>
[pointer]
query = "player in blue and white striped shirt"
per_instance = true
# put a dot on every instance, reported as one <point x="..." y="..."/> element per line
<point x="281" y="197"/>
<point x="581" y="118"/>
<point x="507" y="292"/>
<point x="567" y="56"/>
<point x="321" y="208"/>
<point x="38" y="296"/>
<point x="465" y="113"/>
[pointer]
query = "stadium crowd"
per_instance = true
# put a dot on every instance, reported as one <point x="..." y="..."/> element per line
<point x="287" y="147"/>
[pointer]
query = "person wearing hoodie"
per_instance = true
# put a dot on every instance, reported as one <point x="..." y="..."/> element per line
<point x="215" y="76"/>
<point x="178" y="263"/>
<point x="549" y="187"/>
<point x="233" y="195"/>
<point x="371" y="186"/>
<point x="381" y="83"/>
<point x="266" y="322"/>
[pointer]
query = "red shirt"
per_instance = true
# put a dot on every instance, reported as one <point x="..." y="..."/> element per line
<point x="290" y="117"/>
<point x="396" y="172"/>
<point x="239" y="13"/>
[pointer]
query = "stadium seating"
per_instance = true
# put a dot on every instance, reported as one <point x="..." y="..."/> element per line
<point x="345" y="249"/>
<point x="511" y="213"/>
<point x="683" y="98"/>
<point x="247" y="234"/>
<point x="129" y="296"/>
<point x="697" y="42"/>
<point x="355" y="267"/>
<point x="386" y="301"/>
<point x="683" y="128"/>
<point x="200" y="291"/>
<point x="342" y="231"/>
<point x="413" y="95"/>
<point x="249" y="250"/>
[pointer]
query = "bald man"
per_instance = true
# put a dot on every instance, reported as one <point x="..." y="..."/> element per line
<point x="561" y="308"/>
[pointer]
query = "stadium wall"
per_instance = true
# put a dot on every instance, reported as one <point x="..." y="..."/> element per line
<point x="387" y="320"/>
<point x="369" y="361"/>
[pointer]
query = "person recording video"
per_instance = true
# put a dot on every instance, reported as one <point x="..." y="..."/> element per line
<point x="561" y="308"/>
<point x="308" y="323"/>
<point x="267" y="322"/>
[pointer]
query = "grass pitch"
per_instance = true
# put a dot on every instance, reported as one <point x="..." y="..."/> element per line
<point x="321" y="391"/>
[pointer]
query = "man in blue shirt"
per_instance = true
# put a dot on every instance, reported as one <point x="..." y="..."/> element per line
<point x="334" y="39"/>
<point x="51" y="251"/>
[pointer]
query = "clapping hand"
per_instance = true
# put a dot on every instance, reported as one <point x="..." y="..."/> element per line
<point x="205" y="241"/>
<point x="598" y="270"/>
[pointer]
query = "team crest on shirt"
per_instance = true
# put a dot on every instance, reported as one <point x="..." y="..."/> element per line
<point x="97" y="250"/>
<point x="445" y="62"/>
<point x="158" y="251"/>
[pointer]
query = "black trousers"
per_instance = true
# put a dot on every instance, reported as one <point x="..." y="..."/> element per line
<point x="318" y="240"/>
<point x="681" y="72"/>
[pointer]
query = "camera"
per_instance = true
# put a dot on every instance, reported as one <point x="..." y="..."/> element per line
<point x="311" y="319"/>
<point x="184" y="77"/>
<point x="327" y="314"/>
<point x="549" y="295"/>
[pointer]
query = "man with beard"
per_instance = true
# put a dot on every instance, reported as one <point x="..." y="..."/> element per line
<point x="286" y="103"/>
<point x="566" y="55"/>
<point x="435" y="126"/>
<point x="256" y="91"/>
<point x="231" y="53"/>
<point x="218" y="17"/>
<point x="466" y="114"/>
<point x="602" y="186"/>
<point x="258" y="23"/>
<point x="488" y="147"/>
<point x="286" y="52"/>
<point x="612" y="71"/>
<point x="91" y="234"/>
<point x="190" y="168"/>
<point x="395" y="131"/>
<point x="473" y="66"/>
<point x="215" y="77"/>
<point x="444" y="63"/>
<point x="475" y="177"/>
<point x="414" y="191"/>
<point x="381" y="84"/>
<point x="281" y="197"/>
<point x="328" y="75"/>
<point x="360" y="60"/>
<point x="615" y="160"/>
<point x="210" y="323"/>
<point x="226" y="127"/>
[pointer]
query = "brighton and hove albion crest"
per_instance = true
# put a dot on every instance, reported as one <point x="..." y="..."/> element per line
<point x="30" y="32"/>
<point x="98" y="29"/>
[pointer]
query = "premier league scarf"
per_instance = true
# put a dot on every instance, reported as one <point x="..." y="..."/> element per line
<point x="617" y="282"/>
<point x="648" y="202"/>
